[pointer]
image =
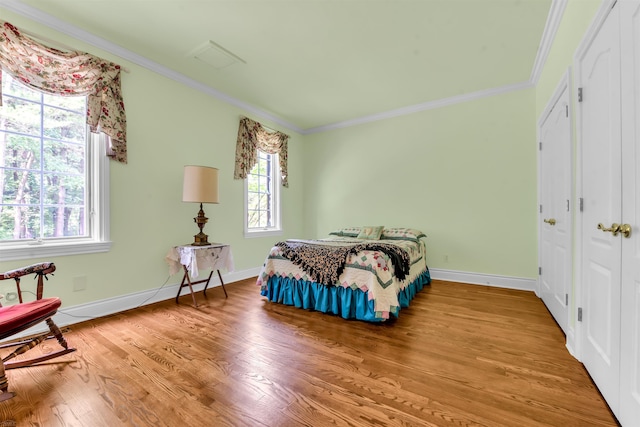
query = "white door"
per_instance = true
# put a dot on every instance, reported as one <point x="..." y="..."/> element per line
<point x="555" y="217"/>
<point x="598" y="74"/>
<point x="630" y="309"/>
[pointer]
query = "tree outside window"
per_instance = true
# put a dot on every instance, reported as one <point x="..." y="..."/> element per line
<point x="54" y="176"/>
<point x="43" y="141"/>
<point x="262" y="196"/>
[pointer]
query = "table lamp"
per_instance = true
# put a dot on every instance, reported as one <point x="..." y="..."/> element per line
<point x="200" y="185"/>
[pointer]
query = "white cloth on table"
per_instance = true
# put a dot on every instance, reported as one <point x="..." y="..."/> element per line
<point x="212" y="257"/>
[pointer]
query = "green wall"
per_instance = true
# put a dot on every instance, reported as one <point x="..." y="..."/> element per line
<point x="464" y="174"/>
<point x="169" y="125"/>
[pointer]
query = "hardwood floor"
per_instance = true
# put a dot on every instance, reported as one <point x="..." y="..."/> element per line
<point x="460" y="355"/>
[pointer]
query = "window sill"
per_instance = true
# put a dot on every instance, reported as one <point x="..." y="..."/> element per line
<point x="262" y="233"/>
<point x="51" y="249"/>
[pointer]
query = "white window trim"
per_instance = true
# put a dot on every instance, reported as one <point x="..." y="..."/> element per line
<point x="276" y="230"/>
<point x="99" y="242"/>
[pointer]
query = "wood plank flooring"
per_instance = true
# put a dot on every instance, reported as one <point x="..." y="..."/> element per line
<point x="460" y="355"/>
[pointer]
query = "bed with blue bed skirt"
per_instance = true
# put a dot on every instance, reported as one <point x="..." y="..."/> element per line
<point x="382" y="271"/>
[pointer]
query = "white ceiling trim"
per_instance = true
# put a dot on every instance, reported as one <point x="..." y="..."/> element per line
<point x="422" y="107"/>
<point x="70" y="30"/>
<point x="551" y="26"/>
<point x="550" y="29"/>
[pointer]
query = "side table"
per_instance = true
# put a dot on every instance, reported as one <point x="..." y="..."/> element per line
<point x="192" y="258"/>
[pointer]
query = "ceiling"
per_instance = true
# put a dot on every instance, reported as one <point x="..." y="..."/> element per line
<point x="312" y="64"/>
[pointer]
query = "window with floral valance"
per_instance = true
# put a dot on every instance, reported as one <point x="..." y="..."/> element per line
<point x="252" y="136"/>
<point x="70" y="74"/>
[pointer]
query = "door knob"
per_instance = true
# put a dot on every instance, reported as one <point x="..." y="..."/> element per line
<point x="550" y="221"/>
<point x="625" y="229"/>
<point x="615" y="228"/>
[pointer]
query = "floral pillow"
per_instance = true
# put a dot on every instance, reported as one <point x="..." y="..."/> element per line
<point x="371" y="232"/>
<point x="347" y="232"/>
<point x="402" y="234"/>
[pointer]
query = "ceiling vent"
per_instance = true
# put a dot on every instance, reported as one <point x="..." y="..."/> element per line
<point x="215" y="55"/>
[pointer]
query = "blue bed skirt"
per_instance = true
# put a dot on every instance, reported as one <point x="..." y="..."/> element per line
<point x="345" y="302"/>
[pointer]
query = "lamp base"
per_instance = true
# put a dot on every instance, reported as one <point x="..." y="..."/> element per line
<point x="201" y="239"/>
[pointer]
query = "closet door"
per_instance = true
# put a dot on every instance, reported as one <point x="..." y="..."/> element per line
<point x="598" y="74"/>
<point x="555" y="217"/>
<point x="630" y="310"/>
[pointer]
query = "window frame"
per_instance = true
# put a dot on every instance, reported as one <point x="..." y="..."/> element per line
<point x="276" y="212"/>
<point x="98" y="239"/>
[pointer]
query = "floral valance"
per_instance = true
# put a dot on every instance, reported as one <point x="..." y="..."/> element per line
<point x="69" y="74"/>
<point x="252" y="136"/>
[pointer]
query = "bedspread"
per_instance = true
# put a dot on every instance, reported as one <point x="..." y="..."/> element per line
<point x="325" y="260"/>
<point x="370" y="271"/>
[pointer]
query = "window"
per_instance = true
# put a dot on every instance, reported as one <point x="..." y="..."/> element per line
<point x="52" y="174"/>
<point x="262" y="197"/>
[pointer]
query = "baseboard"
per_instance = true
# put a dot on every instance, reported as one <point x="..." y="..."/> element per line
<point x="67" y="316"/>
<point x="520" y="283"/>
<point x="570" y="346"/>
<point x="79" y="313"/>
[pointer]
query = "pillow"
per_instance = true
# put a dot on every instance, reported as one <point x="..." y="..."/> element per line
<point x="402" y="234"/>
<point x="371" y="232"/>
<point x="347" y="232"/>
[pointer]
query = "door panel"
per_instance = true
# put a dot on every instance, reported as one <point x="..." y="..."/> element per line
<point x="599" y="304"/>
<point x="599" y="76"/>
<point x="560" y="294"/>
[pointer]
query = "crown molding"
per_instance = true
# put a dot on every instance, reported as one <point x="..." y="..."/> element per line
<point x="553" y="21"/>
<point x="554" y="18"/>
<point x="63" y="27"/>
<point x="548" y="35"/>
<point x="431" y="105"/>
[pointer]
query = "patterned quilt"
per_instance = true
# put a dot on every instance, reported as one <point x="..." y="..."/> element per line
<point x="371" y="271"/>
<point x="324" y="261"/>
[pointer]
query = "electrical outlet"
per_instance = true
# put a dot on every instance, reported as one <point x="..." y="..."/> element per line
<point x="79" y="283"/>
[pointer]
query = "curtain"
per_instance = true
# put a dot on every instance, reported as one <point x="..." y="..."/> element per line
<point x="69" y="74"/>
<point x="252" y="136"/>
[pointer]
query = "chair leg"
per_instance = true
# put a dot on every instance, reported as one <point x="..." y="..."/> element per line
<point x="4" y="386"/>
<point x="34" y="342"/>
<point x="63" y="343"/>
<point x="24" y="347"/>
<point x="57" y="333"/>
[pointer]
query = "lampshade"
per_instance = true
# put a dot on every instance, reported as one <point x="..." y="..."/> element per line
<point x="200" y="184"/>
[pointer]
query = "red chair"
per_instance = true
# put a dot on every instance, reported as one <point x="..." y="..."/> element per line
<point x="20" y="317"/>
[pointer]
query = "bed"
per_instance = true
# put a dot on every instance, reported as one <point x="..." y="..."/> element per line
<point x="364" y="273"/>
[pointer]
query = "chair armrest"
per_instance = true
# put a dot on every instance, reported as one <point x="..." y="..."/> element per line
<point x="40" y="269"/>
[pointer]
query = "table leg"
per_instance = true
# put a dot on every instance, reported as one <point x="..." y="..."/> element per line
<point x="206" y="283"/>
<point x="188" y="279"/>
<point x="184" y="278"/>
<point x="221" y="282"/>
